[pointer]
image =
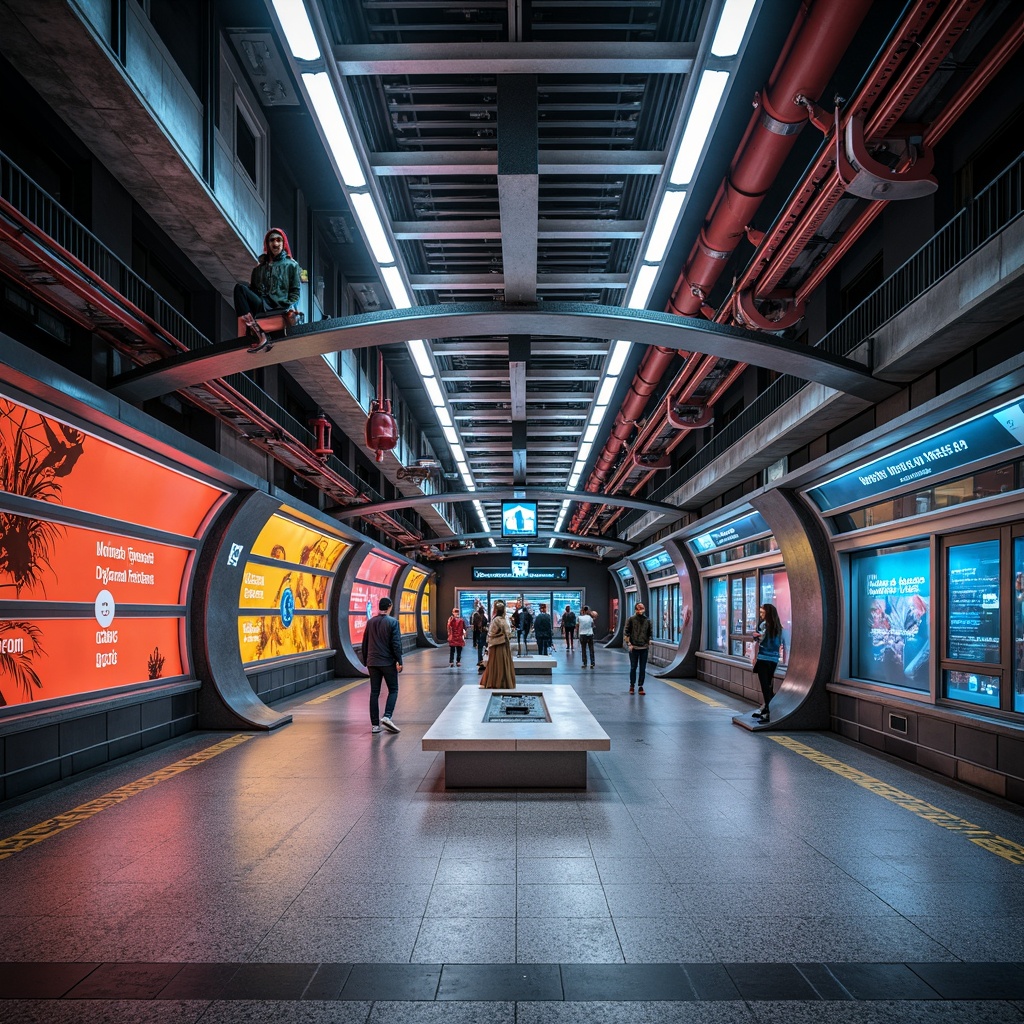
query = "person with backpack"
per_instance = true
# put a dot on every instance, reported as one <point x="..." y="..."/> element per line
<point x="569" y="628"/>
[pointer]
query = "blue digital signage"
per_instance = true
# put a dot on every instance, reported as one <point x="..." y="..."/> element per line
<point x="656" y="562"/>
<point x="990" y="434"/>
<point x="736" y="532"/>
<point x="519" y="519"/>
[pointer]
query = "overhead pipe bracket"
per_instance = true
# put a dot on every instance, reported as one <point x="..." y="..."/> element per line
<point x="869" y="178"/>
<point x="785" y="310"/>
<point x="703" y="416"/>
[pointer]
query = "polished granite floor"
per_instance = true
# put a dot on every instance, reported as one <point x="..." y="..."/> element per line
<point x="322" y="873"/>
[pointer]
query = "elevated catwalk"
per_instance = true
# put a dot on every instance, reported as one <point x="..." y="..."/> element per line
<point x="318" y="872"/>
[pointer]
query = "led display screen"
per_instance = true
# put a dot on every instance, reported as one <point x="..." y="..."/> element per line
<point x="733" y="533"/>
<point x="520" y="568"/>
<point x="520" y="550"/>
<point x="373" y="581"/>
<point x="655" y="562"/>
<point x="104" y="604"/>
<point x="889" y="617"/>
<point x="519" y="519"/>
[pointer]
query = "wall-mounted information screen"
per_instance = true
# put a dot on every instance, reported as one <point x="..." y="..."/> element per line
<point x="90" y="605"/>
<point x="519" y="519"/>
<point x="372" y="582"/>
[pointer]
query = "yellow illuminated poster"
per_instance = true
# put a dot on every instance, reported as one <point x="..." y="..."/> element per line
<point x="289" y="541"/>
<point x="263" y="586"/>
<point x="47" y="559"/>
<point x="425" y="608"/>
<point x="414" y="580"/>
<point x="275" y="636"/>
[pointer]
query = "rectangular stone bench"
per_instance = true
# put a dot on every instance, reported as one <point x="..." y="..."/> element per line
<point x="516" y="753"/>
<point x="533" y="664"/>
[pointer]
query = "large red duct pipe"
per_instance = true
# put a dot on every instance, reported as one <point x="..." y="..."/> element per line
<point x="800" y="75"/>
<point x="815" y="45"/>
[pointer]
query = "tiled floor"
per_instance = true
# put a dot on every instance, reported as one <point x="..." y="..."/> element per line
<point x="321" y="873"/>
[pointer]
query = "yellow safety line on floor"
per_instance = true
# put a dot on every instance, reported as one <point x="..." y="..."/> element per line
<point x="334" y="693"/>
<point x="1005" y="848"/>
<point x="44" y="830"/>
<point x="710" y="701"/>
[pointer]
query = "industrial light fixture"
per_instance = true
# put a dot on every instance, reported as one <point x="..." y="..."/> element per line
<point x="643" y="287"/>
<point x="297" y="29"/>
<point x="366" y="212"/>
<point x="698" y="125"/>
<point x="339" y="141"/>
<point x="418" y="351"/>
<point x="732" y="27"/>
<point x="664" y="225"/>
<point x="396" y="287"/>
<point x="618" y="357"/>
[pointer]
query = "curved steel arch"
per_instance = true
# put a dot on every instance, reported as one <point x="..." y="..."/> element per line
<point x="474" y="319"/>
<point x="509" y="494"/>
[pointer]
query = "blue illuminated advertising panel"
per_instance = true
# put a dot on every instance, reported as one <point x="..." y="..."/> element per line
<point x="989" y="434"/>
<point x="889" y="605"/>
<point x="519" y="519"/>
<point x="656" y="562"/>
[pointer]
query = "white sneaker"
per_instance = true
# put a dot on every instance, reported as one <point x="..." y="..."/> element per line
<point x="389" y="725"/>
<point x="375" y="728"/>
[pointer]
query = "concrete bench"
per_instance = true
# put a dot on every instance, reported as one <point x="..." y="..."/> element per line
<point x="512" y="754"/>
<point x="533" y="664"/>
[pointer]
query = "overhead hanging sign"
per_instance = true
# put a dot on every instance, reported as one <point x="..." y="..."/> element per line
<point x="501" y="573"/>
<point x="737" y="532"/>
<point x="969" y="442"/>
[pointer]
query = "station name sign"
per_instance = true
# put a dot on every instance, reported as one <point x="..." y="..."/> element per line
<point x="992" y="433"/>
<point x="550" y="572"/>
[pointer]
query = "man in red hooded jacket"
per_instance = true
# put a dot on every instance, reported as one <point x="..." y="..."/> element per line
<point x="273" y="285"/>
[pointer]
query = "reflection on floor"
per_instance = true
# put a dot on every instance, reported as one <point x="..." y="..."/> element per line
<point x="323" y="873"/>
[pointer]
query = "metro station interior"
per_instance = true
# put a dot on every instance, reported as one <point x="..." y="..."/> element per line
<point x="700" y="305"/>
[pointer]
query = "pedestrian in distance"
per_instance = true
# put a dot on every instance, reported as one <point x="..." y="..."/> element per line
<point x="382" y="656"/>
<point x="480" y="623"/>
<point x="586" y="636"/>
<point x="638" y="634"/>
<point x="500" y="673"/>
<point x="526" y="619"/>
<point x="569" y="628"/>
<point x="517" y="626"/>
<point x="456" y="638"/>
<point x="768" y="637"/>
<point x="542" y="630"/>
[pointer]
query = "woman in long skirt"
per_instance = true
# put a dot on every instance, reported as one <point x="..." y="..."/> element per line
<point x="500" y="673"/>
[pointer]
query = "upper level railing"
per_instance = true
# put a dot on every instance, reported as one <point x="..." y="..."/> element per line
<point x="71" y="238"/>
<point x="996" y="206"/>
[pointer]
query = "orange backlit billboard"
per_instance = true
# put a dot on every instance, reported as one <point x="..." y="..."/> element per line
<point x="103" y="599"/>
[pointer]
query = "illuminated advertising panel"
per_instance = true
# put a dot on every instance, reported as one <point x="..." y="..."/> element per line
<point x="731" y="534"/>
<point x="889" y="617"/>
<point x="103" y="605"/>
<point x="656" y="562"/>
<point x="287" y="580"/>
<point x="991" y="433"/>
<point x="426" y="608"/>
<point x="377" y="569"/>
<point x="362" y="607"/>
<point x="414" y="580"/>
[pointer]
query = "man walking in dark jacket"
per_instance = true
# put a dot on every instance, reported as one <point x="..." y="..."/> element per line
<point x="382" y="656"/>
<point x="638" y="640"/>
<point x="542" y="629"/>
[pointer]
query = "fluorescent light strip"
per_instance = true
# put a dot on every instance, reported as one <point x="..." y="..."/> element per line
<point x="644" y="286"/>
<point x="325" y="103"/>
<point x="297" y="29"/>
<point x="732" y="27"/>
<point x="451" y="435"/>
<point x="366" y="212"/>
<point x="460" y="455"/>
<point x="618" y="357"/>
<point x="433" y="391"/>
<point x="396" y="288"/>
<point x="607" y="389"/>
<point x="590" y="434"/>
<point x="418" y="351"/>
<point x="444" y="417"/>
<point x="698" y="125"/>
<point x="664" y="225"/>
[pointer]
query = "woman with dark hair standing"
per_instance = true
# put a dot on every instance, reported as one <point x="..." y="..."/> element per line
<point x="768" y="638"/>
<point x="500" y="673"/>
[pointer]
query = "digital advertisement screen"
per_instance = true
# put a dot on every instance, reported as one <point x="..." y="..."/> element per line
<point x="377" y="569"/>
<point x="362" y="606"/>
<point x="737" y="532"/>
<point x="520" y="550"/>
<point x="889" y="628"/>
<point x="519" y="519"/>
<point x="520" y="568"/>
<point x="972" y="582"/>
<point x="128" y="591"/>
<point x="655" y="562"/>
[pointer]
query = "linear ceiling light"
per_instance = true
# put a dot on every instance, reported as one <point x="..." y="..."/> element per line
<point x="643" y="287"/>
<point x="434" y="391"/>
<point x="732" y="27"/>
<point x="297" y="29"/>
<point x="604" y="396"/>
<point x="618" y="357"/>
<point x="664" y="225"/>
<point x="366" y="212"/>
<point x="325" y="103"/>
<point x="698" y="125"/>
<point x="396" y="287"/>
<point x="418" y="351"/>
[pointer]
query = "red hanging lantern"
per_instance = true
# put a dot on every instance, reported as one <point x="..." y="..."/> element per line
<point x="322" y="428"/>
<point x="381" y="426"/>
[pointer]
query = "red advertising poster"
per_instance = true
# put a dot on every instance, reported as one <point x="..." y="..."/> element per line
<point x="91" y="643"/>
<point x="362" y="606"/>
<point x="376" y="569"/>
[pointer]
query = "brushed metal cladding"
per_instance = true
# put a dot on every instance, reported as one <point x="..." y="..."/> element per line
<point x="227" y="699"/>
<point x="474" y="319"/>
<point x="684" y="664"/>
<point x="802" y="702"/>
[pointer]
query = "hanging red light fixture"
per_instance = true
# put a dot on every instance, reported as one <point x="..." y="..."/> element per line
<point x="322" y="428"/>
<point x="381" y="426"/>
